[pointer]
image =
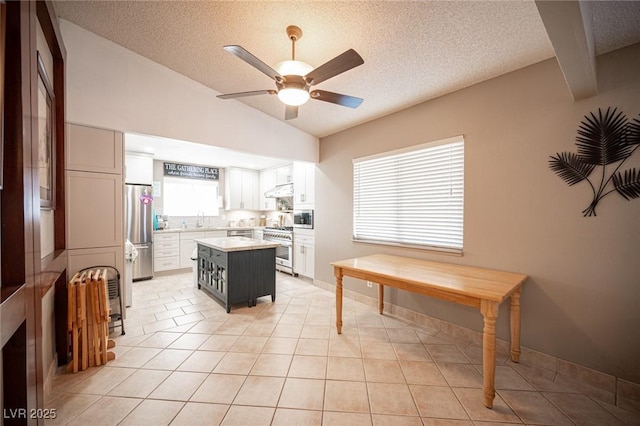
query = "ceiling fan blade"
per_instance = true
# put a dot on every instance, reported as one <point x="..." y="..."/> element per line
<point x="243" y="94"/>
<point x="291" y="112"/>
<point x="336" y="98"/>
<point x="249" y="58"/>
<point x="339" y="64"/>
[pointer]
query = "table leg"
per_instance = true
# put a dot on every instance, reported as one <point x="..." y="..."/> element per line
<point x="338" y="274"/>
<point x="489" y="311"/>
<point x="515" y="326"/>
<point x="381" y="298"/>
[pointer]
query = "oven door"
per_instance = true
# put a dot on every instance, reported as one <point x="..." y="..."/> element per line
<point x="284" y="255"/>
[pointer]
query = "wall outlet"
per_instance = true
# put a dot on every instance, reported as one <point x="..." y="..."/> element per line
<point x="369" y="284"/>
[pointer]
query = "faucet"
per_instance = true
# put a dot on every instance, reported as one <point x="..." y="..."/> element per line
<point x="200" y="218"/>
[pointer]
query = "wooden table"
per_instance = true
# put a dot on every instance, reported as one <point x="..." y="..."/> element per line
<point x="484" y="289"/>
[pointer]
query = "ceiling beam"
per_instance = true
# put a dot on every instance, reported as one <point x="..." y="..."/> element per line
<point x="568" y="25"/>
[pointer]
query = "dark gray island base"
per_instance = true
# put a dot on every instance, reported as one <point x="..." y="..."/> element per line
<point x="237" y="269"/>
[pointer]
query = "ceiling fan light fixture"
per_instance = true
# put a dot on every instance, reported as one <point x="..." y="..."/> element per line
<point x="293" y="68"/>
<point x="294" y="79"/>
<point x="293" y="96"/>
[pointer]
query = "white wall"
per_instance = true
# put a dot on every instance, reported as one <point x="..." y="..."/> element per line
<point x="111" y="87"/>
<point x="582" y="300"/>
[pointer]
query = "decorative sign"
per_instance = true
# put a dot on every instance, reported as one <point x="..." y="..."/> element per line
<point x="191" y="171"/>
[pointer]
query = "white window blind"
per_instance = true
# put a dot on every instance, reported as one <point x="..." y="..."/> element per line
<point x="412" y="197"/>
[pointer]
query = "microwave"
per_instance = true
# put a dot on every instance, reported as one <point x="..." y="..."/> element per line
<point x="303" y="219"/>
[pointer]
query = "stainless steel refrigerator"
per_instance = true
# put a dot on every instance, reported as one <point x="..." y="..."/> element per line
<point x="139" y="227"/>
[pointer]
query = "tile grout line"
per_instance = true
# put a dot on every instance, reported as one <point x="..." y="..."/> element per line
<point x="359" y="315"/>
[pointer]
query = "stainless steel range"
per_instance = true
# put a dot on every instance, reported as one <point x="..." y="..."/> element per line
<point x="284" y="253"/>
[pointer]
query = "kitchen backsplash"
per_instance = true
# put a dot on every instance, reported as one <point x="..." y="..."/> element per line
<point x="230" y="218"/>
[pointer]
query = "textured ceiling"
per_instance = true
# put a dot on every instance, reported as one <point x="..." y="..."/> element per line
<point x="413" y="51"/>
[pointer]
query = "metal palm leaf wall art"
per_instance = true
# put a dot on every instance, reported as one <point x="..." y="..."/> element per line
<point x="605" y="140"/>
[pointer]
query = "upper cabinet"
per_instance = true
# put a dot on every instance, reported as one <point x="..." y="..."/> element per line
<point x="284" y="175"/>
<point x="138" y="168"/>
<point x="269" y="178"/>
<point x="267" y="181"/>
<point x="94" y="198"/>
<point x="241" y="189"/>
<point x="303" y="185"/>
<point x="93" y="150"/>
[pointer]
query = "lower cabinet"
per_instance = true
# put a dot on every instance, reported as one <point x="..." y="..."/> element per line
<point x="172" y="250"/>
<point x="215" y="234"/>
<point x="85" y="258"/>
<point x="187" y="245"/>
<point x="109" y="256"/>
<point x="303" y="255"/>
<point x="237" y="276"/>
<point x="166" y="251"/>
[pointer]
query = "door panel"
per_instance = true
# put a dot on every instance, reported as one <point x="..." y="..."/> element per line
<point x="143" y="265"/>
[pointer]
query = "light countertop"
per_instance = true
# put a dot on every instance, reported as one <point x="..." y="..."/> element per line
<point x="228" y="244"/>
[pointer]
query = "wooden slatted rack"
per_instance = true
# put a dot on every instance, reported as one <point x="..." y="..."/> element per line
<point x="88" y="320"/>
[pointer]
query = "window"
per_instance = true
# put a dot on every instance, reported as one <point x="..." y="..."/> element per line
<point x="187" y="197"/>
<point x="411" y="197"/>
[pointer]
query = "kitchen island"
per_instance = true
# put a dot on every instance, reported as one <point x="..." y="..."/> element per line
<point x="237" y="269"/>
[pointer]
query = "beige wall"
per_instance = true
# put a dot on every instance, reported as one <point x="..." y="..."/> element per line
<point x="582" y="300"/>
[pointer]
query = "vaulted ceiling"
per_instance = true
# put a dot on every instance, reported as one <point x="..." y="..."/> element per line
<point x="413" y="51"/>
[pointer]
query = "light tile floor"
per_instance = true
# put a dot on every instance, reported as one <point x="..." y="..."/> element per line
<point x="185" y="361"/>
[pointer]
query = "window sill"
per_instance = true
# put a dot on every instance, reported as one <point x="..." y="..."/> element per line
<point x="428" y="249"/>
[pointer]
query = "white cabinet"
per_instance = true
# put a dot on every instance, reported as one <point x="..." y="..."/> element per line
<point x="267" y="181"/>
<point x="258" y="233"/>
<point x="93" y="150"/>
<point x="138" y="168"/>
<point x="242" y="189"/>
<point x="270" y="178"/>
<point x="86" y="258"/>
<point x="94" y="210"/>
<point x="94" y="198"/>
<point x="215" y="234"/>
<point x="303" y="254"/>
<point x="166" y="251"/>
<point x="303" y="185"/>
<point x="172" y="250"/>
<point x="187" y="245"/>
<point x="284" y="175"/>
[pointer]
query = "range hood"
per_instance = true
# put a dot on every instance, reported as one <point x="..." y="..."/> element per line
<point x="280" y="191"/>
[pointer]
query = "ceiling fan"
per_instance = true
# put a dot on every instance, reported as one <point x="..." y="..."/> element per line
<point x="295" y="78"/>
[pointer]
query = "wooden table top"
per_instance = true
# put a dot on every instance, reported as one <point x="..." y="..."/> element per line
<point x="481" y="283"/>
